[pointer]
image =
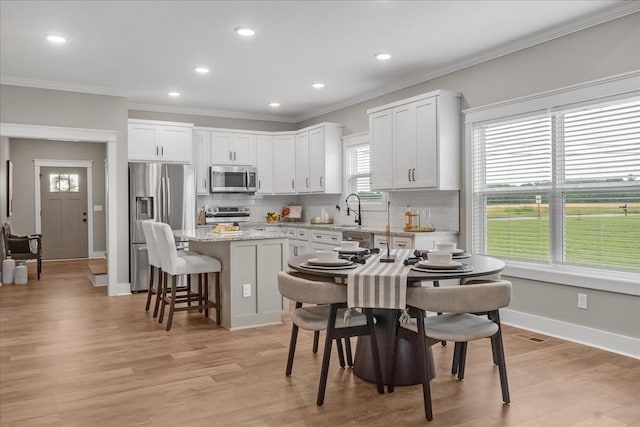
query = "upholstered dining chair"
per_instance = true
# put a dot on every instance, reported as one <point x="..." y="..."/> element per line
<point x="457" y="323"/>
<point x="328" y="314"/>
<point x="23" y="247"/>
<point x="174" y="266"/>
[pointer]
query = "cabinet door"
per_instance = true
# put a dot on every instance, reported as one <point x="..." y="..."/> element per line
<point x="243" y="149"/>
<point x="264" y="163"/>
<point x="175" y="144"/>
<point x="426" y="154"/>
<point x="221" y="148"/>
<point x="302" y="162"/>
<point x="201" y="158"/>
<point x="143" y="142"/>
<point x="284" y="158"/>
<point x="380" y="242"/>
<point x="404" y="138"/>
<point x="380" y="126"/>
<point x="316" y="160"/>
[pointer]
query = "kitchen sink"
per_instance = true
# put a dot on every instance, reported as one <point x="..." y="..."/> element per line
<point x="346" y="225"/>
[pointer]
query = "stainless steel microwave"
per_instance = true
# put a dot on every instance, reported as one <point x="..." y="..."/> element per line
<point x="232" y="179"/>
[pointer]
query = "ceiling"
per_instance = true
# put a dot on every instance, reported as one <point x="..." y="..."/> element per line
<point x="142" y="50"/>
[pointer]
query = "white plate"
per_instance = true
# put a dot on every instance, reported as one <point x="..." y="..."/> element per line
<point x="453" y="252"/>
<point x="326" y="267"/>
<point x="329" y="263"/>
<point x="461" y="256"/>
<point x="440" y="266"/>
<point x="349" y="251"/>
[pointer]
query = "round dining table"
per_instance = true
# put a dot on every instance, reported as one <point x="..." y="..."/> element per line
<point x="405" y="372"/>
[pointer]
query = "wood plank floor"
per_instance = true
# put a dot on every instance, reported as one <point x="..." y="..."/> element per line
<point x="71" y="356"/>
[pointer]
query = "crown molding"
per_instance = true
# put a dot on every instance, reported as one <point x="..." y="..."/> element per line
<point x="68" y="87"/>
<point x="616" y="11"/>
<point x="210" y="113"/>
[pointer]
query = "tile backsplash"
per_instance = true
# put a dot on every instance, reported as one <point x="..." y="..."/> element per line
<point x="444" y="207"/>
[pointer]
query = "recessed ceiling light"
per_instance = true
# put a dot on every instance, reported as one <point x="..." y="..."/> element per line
<point x="383" y="56"/>
<point x="173" y="94"/>
<point x="244" y="31"/>
<point x="274" y="104"/>
<point x="317" y="85"/>
<point x="201" y="70"/>
<point x="56" y="39"/>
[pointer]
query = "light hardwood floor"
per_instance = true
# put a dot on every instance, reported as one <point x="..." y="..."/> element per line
<point x="70" y="355"/>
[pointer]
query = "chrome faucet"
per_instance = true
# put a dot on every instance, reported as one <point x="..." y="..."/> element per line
<point x="349" y="210"/>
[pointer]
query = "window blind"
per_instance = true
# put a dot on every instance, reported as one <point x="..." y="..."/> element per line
<point x="358" y="172"/>
<point x="562" y="187"/>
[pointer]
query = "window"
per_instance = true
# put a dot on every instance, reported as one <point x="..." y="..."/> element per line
<point x="561" y="187"/>
<point x="63" y="183"/>
<point x="357" y="167"/>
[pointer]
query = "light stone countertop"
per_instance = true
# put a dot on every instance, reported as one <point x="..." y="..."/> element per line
<point x="395" y="231"/>
<point x="207" y="235"/>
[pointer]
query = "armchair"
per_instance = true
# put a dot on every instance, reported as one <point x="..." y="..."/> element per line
<point x="22" y="247"/>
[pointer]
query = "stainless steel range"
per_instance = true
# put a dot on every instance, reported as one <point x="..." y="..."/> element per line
<point x="217" y="215"/>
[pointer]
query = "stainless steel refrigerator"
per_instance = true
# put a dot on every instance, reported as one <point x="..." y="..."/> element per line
<point x="166" y="193"/>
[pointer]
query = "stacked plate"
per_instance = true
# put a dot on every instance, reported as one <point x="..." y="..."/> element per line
<point x="456" y="253"/>
<point x="326" y="264"/>
<point x="450" y="267"/>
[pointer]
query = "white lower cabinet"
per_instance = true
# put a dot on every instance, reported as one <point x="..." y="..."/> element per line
<point x="423" y="241"/>
<point x="298" y="241"/>
<point x="325" y="240"/>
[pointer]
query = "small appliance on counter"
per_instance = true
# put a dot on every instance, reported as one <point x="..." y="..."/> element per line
<point x="218" y="215"/>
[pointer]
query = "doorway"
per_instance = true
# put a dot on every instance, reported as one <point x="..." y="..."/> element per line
<point x="63" y="212"/>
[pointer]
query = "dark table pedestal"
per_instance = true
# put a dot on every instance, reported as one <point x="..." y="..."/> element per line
<point x="406" y="363"/>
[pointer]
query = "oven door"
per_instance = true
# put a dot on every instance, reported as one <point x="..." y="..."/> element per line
<point x="232" y="179"/>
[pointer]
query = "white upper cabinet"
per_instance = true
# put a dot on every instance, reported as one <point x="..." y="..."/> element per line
<point x="416" y="143"/>
<point x="201" y="157"/>
<point x="150" y="140"/>
<point x="319" y="159"/>
<point x="264" y="163"/>
<point x="284" y="164"/>
<point x="231" y="148"/>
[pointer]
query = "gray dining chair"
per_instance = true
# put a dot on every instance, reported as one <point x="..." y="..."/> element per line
<point x="328" y="314"/>
<point x="457" y="323"/>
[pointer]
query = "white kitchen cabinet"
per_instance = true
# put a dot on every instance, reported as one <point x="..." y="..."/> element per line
<point x="233" y="148"/>
<point x="421" y="136"/>
<point x="201" y="158"/>
<point x="284" y="158"/>
<point x="150" y="140"/>
<point x="380" y="241"/>
<point x="298" y="241"/>
<point x="264" y="163"/>
<point x="318" y="160"/>
<point x="422" y="241"/>
<point x="324" y="240"/>
<point x="400" y="242"/>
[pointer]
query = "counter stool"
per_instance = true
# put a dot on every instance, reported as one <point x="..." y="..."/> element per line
<point x="174" y="265"/>
<point x="328" y="314"/>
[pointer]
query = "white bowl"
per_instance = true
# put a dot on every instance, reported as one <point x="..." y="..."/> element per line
<point x="445" y="246"/>
<point x="349" y="245"/>
<point x="439" y="257"/>
<point x="327" y="255"/>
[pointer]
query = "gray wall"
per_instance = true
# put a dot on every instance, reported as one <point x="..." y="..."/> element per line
<point x="4" y="156"/>
<point x="23" y="151"/>
<point x="215" y="122"/>
<point x="77" y="110"/>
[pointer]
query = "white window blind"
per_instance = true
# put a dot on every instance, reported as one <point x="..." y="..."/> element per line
<point x="562" y="187"/>
<point x="358" y="172"/>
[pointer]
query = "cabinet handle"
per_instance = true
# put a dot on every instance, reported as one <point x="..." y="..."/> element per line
<point x="306" y="182"/>
<point x="413" y="174"/>
<point x="318" y="236"/>
<point x="334" y="238"/>
<point x="234" y="155"/>
<point x="157" y="150"/>
<point x="409" y="174"/>
<point x="295" y="251"/>
<point x="320" y="181"/>
<point x="292" y="184"/>
<point x="259" y="184"/>
<point x="204" y="182"/>
<point x="230" y="155"/>
<point x="162" y="150"/>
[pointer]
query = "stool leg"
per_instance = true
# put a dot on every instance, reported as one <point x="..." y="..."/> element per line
<point x="163" y="295"/>
<point x="189" y="290"/>
<point x="204" y="298"/>
<point x="158" y="292"/>
<point x="316" y="338"/>
<point x="218" y="301"/>
<point x="347" y="345"/>
<point x="172" y="303"/>
<point x="200" y="290"/>
<point x="150" y="292"/>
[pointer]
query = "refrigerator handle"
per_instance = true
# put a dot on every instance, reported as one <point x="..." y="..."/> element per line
<point x="168" y="198"/>
<point x="163" y="197"/>
<point x="247" y="179"/>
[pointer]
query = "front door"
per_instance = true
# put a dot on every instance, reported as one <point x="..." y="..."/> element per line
<point x="63" y="198"/>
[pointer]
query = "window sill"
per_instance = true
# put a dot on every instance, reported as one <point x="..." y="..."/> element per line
<point x="602" y="280"/>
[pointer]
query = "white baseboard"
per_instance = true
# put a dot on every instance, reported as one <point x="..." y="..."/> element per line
<point x="98" y="255"/>
<point x="99" y="280"/>
<point x="118" y="289"/>
<point x="609" y="341"/>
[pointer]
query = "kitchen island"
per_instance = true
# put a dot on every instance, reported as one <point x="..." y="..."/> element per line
<point x="251" y="260"/>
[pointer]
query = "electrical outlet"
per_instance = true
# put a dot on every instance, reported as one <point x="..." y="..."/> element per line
<point x="246" y="290"/>
<point x="582" y="301"/>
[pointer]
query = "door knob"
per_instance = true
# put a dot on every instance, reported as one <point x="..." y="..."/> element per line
<point x="84" y="219"/>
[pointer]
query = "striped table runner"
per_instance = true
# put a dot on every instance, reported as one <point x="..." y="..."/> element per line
<point x="378" y="284"/>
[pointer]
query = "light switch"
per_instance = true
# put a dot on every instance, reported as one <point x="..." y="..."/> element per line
<point x="97" y="208"/>
<point x="246" y="290"/>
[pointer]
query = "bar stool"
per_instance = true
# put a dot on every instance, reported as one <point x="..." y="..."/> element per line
<point x="174" y="265"/>
<point x="328" y="314"/>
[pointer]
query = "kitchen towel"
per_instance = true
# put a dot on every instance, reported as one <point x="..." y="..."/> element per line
<point x="379" y="285"/>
